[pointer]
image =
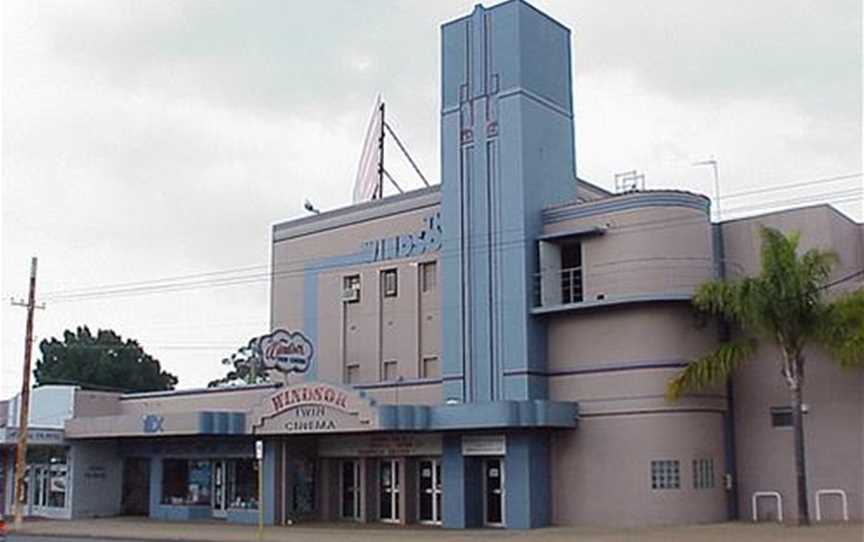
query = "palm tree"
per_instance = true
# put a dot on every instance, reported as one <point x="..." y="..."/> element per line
<point x="788" y="305"/>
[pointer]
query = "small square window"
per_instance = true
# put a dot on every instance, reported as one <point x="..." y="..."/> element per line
<point x="781" y="416"/>
<point x="429" y="367"/>
<point x="665" y="474"/>
<point x="391" y="370"/>
<point x="389" y="282"/>
<point x="428" y="276"/>
<point x="352" y="373"/>
<point x="351" y="289"/>
<point x="703" y="474"/>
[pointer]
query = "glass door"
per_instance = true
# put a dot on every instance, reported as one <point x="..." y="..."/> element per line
<point x="40" y="486"/>
<point x="350" y="482"/>
<point x="220" y="476"/>
<point x="493" y="490"/>
<point x="429" y="487"/>
<point x="388" y="504"/>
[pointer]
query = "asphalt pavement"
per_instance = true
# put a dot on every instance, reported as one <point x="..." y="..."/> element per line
<point x="29" y="538"/>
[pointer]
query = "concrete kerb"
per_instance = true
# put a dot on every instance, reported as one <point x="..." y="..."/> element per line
<point x="217" y="531"/>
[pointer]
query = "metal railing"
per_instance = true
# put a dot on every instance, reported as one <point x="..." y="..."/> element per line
<point x="575" y="285"/>
<point x="559" y="287"/>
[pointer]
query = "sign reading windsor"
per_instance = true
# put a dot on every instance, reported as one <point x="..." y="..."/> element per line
<point x="285" y="351"/>
<point x="314" y="407"/>
<point x="304" y="407"/>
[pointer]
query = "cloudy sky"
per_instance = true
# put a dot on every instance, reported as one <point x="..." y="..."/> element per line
<point x="150" y="140"/>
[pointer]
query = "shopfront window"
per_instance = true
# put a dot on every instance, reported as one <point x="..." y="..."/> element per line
<point x="47" y="467"/>
<point x="243" y="483"/>
<point x="304" y="486"/>
<point x="186" y="482"/>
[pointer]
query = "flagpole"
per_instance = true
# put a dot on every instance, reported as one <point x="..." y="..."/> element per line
<point x="380" y="190"/>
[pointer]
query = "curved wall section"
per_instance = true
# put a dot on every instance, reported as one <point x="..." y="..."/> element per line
<point x="619" y="359"/>
<point x="602" y="472"/>
<point x="654" y="244"/>
<point x="615" y="362"/>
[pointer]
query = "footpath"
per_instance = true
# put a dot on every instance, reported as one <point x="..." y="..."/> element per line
<point x="129" y="528"/>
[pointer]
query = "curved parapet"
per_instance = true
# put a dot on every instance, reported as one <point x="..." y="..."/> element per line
<point x="634" y="247"/>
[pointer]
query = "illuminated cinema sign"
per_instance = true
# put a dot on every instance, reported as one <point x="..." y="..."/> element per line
<point x="405" y="244"/>
<point x="285" y="351"/>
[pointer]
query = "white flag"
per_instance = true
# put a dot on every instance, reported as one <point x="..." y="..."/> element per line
<point x="366" y="181"/>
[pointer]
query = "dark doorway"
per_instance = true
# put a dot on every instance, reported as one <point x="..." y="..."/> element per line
<point x="493" y="472"/>
<point x="136" y="486"/>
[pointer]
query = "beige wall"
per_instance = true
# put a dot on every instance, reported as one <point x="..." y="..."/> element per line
<point x="601" y="472"/>
<point x="834" y="425"/>
<point x="649" y="250"/>
<point x="96" y="403"/>
<point x="377" y="329"/>
<point x="239" y="399"/>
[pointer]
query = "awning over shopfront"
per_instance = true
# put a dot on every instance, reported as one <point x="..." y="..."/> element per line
<point x="322" y="408"/>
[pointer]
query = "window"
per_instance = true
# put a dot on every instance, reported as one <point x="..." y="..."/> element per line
<point x="665" y="474"/>
<point x="389" y="279"/>
<point x="243" y="483"/>
<point x="781" y="416"/>
<point x="186" y="482"/>
<point x="428" y="276"/>
<point x="703" y="474"/>
<point x="304" y="486"/>
<point x="571" y="273"/>
<point x="352" y="373"/>
<point x="391" y="370"/>
<point x="47" y="470"/>
<point x="351" y="289"/>
<point x="429" y="367"/>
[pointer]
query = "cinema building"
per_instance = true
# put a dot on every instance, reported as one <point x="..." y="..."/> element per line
<point x="492" y="351"/>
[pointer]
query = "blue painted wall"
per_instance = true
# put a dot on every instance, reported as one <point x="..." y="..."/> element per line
<point x="462" y="485"/>
<point x="527" y="497"/>
<point x="269" y="476"/>
<point x="506" y="153"/>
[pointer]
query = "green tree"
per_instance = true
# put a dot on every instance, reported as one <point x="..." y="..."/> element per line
<point x="245" y="369"/>
<point x="105" y="361"/>
<point x="787" y="304"/>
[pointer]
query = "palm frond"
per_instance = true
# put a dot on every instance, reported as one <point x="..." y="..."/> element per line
<point x="841" y="329"/>
<point x="711" y="369"/>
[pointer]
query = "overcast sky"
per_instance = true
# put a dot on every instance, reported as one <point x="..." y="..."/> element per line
<point x="153" y="139"/>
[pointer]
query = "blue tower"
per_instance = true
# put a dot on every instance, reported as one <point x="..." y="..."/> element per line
<point x="506" y="153"/>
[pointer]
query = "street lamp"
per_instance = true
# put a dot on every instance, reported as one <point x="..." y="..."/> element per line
<point x="713" y="163"/>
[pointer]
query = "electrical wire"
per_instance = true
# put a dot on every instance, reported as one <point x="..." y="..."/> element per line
<point x="49" y="294"/>
<point x="245" y="275"/>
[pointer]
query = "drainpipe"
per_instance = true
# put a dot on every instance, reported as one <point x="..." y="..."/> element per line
<point x="724" y="333"/>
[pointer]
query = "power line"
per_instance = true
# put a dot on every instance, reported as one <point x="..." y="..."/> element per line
<point x="69" y="291"/>
<point x="245" y="276"/>
<point x="793" y="185"/>
<point x="263" y="277"/>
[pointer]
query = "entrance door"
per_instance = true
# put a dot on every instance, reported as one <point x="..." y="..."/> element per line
<point x="388" y="504"/>
<point x="429" y="487"/>
<point x="135" y="499"/>
<point x="350" y="483"/>
<point x="219" y="488"/>
<point x="493" y="491"/>
<point x="40" y="476"/>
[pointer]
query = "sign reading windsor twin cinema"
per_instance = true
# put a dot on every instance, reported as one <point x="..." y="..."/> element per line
<point x="305" y="407"/>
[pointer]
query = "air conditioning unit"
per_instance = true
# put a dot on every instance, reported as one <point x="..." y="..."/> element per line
<point x="350" y="295"/>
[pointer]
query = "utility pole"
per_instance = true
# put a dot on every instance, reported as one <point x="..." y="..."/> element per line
<point x="24" y="401"/>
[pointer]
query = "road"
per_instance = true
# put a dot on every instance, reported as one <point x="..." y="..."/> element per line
<point x="29" y="538"/>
